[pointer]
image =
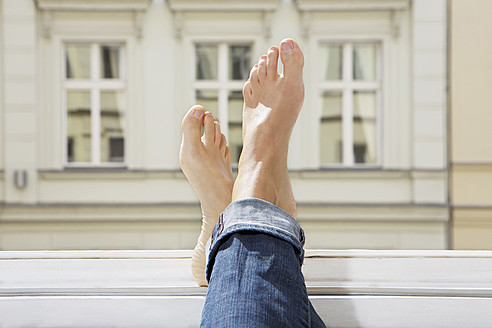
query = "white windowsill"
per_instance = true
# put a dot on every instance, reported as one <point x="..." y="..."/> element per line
<point x="155" y="288"/>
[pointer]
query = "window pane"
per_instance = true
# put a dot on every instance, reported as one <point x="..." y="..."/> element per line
<point x="110" y="62"/>
<point x="331" y="128"/>
<point x="209" y="100"/>
<point x="235" y="139"/>
<point x="364" y="62"/>
<point x="365" y="127"/>
<point x="206" y="62"/>
<point x="78" y="57"/>
<point x="331" y="62"/>
<point x="239" y="62"/>
<point x="112" y="126"/>
<point x="78" y="126"/>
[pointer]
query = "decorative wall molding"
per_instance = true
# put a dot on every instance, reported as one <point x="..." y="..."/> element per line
<point x="47" y="7"/>
<point x="223" y="5"/>
<point x="395" y="23"/>
<point x="306" y="18"/>
<point x="47" y="23"/>
<point x="179" y="7"/>
<point x="307" y="7"/>
<point x="352" y="5"/>
<point x="93" y="5"/>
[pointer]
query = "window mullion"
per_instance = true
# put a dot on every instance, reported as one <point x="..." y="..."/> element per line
<point x="223" y="91"/>
<point x="95" y="108"/>
<point x="95" y="127"/>
<point x="348" y="127"/>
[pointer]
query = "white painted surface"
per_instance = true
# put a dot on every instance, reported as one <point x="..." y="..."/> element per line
<point x="159" y="85"/>
<point x="155" y="289"/>
<point x="429" y="86"/>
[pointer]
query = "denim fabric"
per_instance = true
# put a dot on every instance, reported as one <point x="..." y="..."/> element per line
<point x="254" y="270"/>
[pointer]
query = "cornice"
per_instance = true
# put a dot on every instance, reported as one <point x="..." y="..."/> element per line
<point x="179" y="7"/>
<point x="223" y="5"/>
<point x="352" y="5"/>
<point x="93" y="5"/>
<point x="308" y="7"/>
<point x="47" y="7"/>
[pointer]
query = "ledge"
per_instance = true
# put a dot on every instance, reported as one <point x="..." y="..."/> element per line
<point x="190" y="212"/>
<point x="158" y="270"/>
<point x="339" y="173"/>
<point x="223" y="5"/>
<point x="352" y="5"/>
<point x="350" y="288"/>
<point x="93" y="5"/>
<point x="108" y="174"/>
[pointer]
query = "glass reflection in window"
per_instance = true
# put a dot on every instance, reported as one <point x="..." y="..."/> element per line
<point x="79" y="135"/>
<point x="331" y="128"/>
<point x="364" y="62"/>
<point x="239" y="62"/>
<point x="331" y="62"/>
<point x="206" y="62"/>
<point x="209" y="99"/>
<point x="365" y="127"/>
<point x="78" y="61"/>
<point x="110" y="62"/>
<point x="112" y="126"/>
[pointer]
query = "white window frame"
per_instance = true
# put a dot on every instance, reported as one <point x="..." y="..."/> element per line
<point x="347" y="87"/>
<point x="223" y="85"/>
<point x="94" y="85"/>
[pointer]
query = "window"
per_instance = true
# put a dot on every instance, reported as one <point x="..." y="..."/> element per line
<point x="94" y="89"/>
<point x="220" y="72"/>
<point x="350" y="89"/>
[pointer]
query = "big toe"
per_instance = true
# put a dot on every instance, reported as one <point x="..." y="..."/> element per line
<point x="292" y="58"/>
<point x="192" y="123"/>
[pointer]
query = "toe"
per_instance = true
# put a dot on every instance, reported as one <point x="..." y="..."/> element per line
<point x="249" y="99"/>
<point x="253" y="79"/>
<point x="292" y="58"/>
<point x="217" y="132"/>
<point x="262" y="68"/>
<point x="272" y="63"/>
<point x="192" y="123"/>
<point x="223" y="141"/>
<point x="209" y="129"/>
<point x="227" y="154"/>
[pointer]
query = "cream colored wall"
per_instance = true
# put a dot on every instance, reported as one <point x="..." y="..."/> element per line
<point x="400" y="205"/>
<point x="471" y="122"/>
<point x="1" y="102"/>
<point x="19" y="97"/>
<point x="471" y="77"/>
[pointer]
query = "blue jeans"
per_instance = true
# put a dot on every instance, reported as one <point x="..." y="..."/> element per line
<point x="254" y="270"/>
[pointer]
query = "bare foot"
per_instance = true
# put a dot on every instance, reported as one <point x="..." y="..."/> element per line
<point x="272" y="103"/>
<point x="206" y="163"/>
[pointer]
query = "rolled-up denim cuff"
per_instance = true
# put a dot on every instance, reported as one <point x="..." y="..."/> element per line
<point x="256" y="216"/>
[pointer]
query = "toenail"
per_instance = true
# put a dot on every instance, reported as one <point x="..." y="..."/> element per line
<point x="287" y="47"/>
<point x="198" y="114"/>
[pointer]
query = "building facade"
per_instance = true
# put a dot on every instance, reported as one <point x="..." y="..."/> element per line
<point x="471" y="121"/>
<point x="93" y="92"/>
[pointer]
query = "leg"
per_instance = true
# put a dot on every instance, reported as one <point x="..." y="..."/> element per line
<point x="206" y="162"/>
<point x="254" y="268"/>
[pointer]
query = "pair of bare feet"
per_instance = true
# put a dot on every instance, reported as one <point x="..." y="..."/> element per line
<point x="271" y="106"/>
